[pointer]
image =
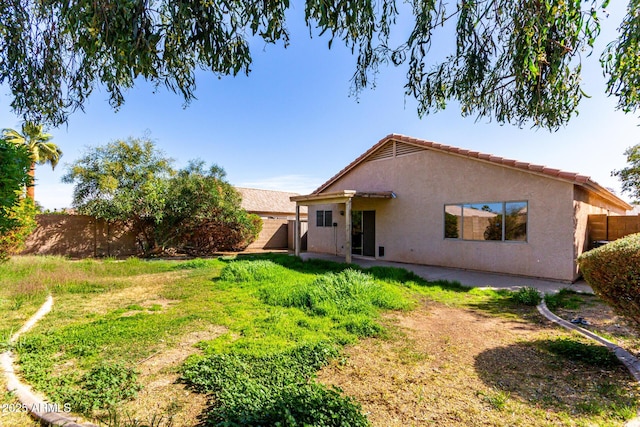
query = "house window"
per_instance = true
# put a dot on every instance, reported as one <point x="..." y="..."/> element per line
<point x="498" y="221"/>
<point x="324" y="218"/>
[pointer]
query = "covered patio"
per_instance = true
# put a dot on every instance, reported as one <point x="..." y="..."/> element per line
<point x="343" y="198"/>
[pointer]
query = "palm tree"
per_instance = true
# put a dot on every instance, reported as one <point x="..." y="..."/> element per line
<point x="39" y="145"/>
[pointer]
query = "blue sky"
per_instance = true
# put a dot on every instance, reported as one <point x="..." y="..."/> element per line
<point x="291" y="124"/>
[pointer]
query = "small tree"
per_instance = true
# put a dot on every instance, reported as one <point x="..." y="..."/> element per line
<point x="203" y="213"/>
<point x="630" y="176"/>
<point x="194" y="209"/>
<point x="125" y="181"/>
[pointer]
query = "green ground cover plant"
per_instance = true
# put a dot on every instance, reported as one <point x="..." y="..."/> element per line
<point x="564" y="298"/>
<point x="279" y="319"/>
<point x="527" y="296"/>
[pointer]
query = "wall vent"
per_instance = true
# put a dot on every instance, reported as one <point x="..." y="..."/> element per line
<point x="384" y="152"/>
<point x="394" y="149"/>
<point x="403" y="149"/>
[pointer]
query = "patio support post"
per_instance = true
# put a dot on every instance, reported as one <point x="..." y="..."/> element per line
<point x="296" y="232"/>
<point x="347" y="221"/>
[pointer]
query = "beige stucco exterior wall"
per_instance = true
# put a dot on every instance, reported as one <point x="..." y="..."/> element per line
<point x="411" y="227"/>
<point x="585" y="204"/>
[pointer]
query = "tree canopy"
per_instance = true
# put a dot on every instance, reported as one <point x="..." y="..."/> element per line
<point x="514" y="61"/>
<point x="630" y="176"/>
<point x="120" y="180"/>
<point x="194" y="209"/>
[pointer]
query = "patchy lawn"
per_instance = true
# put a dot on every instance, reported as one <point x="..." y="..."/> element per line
<point x="223" y="340"/>
<point x="458" y="367"/>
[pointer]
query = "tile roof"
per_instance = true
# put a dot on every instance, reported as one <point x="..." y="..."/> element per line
<point x="576" y="178"/>
<point x="267" y="201"/>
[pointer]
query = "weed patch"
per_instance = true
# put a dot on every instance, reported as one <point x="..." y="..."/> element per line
<point x="527" y="296"/>
<point x="105" y="386"/>
<point x="565" y="298"/>
<point x="250" y="271"/>
<point x="275" y="389"/>
<point x="196" y="263"/>
<point x="350" y="291"/>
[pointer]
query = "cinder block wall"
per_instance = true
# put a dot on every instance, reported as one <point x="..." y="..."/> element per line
<point x="80" y="236"/>
<point x="272" y="236"/>
<point x="603" y="227"/>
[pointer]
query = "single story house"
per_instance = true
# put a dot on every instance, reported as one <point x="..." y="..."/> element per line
<point x="276" y="210"/>
<point x="415" y="201"/>
<point x="269" y="203"/>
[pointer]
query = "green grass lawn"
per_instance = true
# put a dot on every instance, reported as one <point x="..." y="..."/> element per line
<point x="279" y="320"/>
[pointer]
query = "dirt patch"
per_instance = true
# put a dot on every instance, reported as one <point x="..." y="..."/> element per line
<point x="605" y="322"/>
<point x="455" y="367"/>
<point x="162" y="394"/>
<point x="144" y="290"/>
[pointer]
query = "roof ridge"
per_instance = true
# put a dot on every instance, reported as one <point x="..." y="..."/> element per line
<point x="560" y="174"/>
<point x="530" y="167"/>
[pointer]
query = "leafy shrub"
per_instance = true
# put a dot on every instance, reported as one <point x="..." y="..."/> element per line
<point x="23" y="221"/>
<point x="15" y="162"/>
<point x="613" y="272"/>
<point x="527" y="296"/>
<point x="275" y="389"/>
<point x="203" y="214"/>
<point x="211" y="236"/>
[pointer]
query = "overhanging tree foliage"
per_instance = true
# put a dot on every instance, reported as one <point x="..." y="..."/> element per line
<point x="516" y="61"/>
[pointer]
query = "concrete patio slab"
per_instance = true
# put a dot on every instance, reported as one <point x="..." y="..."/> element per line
<point x="476" y="279"/>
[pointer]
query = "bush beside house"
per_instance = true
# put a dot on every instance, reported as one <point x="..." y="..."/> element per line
<point x="613" y="271"/>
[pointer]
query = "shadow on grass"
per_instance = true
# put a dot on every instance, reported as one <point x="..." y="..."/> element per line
<point x="502" y="304"/>
<point x="563" y="375"/>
